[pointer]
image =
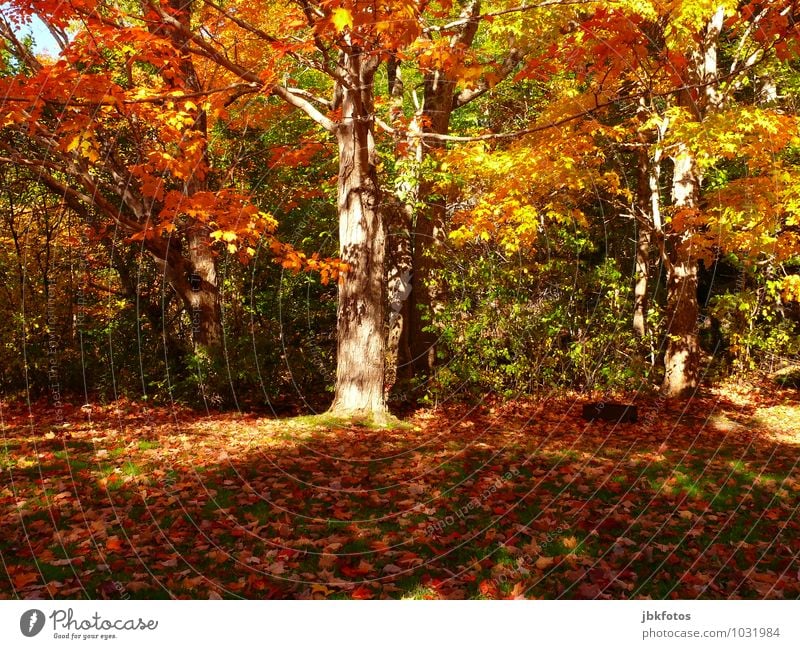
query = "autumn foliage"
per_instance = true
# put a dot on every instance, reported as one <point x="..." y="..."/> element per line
<point x="403" y="208"/>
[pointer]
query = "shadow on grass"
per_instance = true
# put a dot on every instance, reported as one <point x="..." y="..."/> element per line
<point x="527" y="500"/>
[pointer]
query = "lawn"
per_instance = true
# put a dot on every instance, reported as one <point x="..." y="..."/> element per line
<point x="522" y="499"/>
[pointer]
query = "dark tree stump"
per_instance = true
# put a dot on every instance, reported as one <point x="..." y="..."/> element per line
<point x="619" y="412"/>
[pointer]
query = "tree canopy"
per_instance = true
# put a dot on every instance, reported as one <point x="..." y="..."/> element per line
<point x="494" y="187"/>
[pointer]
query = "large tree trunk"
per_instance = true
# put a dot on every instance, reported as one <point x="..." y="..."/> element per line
<point x="202" y="299"/>
<point x="682" y="358"/>
<point x="360" y="327"/>
<point x="194" y="279"/>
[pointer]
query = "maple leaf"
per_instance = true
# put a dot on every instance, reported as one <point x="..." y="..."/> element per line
<point x="342" y="19"/>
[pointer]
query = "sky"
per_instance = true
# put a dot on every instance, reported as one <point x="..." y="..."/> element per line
<point x="45" y="43"/>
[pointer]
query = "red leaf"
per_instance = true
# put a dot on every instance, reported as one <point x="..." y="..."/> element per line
<point x="362" y="592"/>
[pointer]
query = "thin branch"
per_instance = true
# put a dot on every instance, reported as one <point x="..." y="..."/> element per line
<point x="467" y="95"/>
<point x="519" y="9"/>
<point x="240" y="88"/>
<point x="211" y="53"/>
<point x="570" y="118"/>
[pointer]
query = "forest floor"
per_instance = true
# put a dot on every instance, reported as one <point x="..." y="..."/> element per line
<point x="522" y="499"/>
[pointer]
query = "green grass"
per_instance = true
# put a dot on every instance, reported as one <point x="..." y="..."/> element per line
<point x="222" y="499"/>
<point x="419" y="592"/>
<point x="328" y="420"/>
<point x="131" y="469"/>
<point x="262" y="511"/>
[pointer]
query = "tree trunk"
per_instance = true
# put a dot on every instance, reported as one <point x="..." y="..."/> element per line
<point x="428" y="230"/>
<point x="194" y="279"/>
<point x="429" y="233"/>
<point x="399" y="255"/>
<point x="400" y="264"/>
<point x="642" y="244"/>
<point x="203" y="300"/>
<point x="427" y="295"/>
<point x="640" y="287"/>
<point x="682" y="358"/>
<point x="360" y="324"/>
<point x="648" y="216"/>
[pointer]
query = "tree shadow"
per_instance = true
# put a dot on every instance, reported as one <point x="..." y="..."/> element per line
<point x="521" y="499"/>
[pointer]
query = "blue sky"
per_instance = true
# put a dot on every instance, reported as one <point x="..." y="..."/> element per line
<point x="45" y="43"/>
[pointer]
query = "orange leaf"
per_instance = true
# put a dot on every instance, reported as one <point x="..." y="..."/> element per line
<point x="489" y="588"/>
<point x="25" y="579"/>
<point x="362" y="592"/>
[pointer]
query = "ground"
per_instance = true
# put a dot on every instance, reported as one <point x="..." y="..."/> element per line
<point x="522" y="499"/>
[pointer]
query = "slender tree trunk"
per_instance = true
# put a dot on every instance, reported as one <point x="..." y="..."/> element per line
<point x="648" y="208"/>
<point x="360" y="315"/>
<point x="427" y="296"/>
<point x="682" y="358"/>
<point x="429" y="233"/>
<point x="399" y="256"/>
<point x="640" y="287"/>
<point x="203" y="299"/>
<point x="400" y="264"/>
<point x="642" y="244"/>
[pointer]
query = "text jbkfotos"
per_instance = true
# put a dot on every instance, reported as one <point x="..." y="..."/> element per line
<point x="658" y="616"/>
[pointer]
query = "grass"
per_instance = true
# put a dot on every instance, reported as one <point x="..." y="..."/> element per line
<point x="328" y="420"/>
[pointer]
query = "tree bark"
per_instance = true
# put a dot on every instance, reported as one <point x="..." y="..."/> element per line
<point x="400" y="268"/>
<point x="439" y="102"/>
<point x="399" y="250"/>
<point x="682" y="357"/>
<point x="640" y="287"/>
<point x="644" y="220"/>
<point x="648" y="215"/>
<point x="203" y="300"/>
<point x="360" y="315"/>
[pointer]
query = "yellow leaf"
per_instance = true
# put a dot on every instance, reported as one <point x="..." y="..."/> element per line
<point x="74" y="143"/>
<point x="342" y="18"/>
<point x="229" y="236"/>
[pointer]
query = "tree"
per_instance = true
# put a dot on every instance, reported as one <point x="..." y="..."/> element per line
<point x="669" y="57"/>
